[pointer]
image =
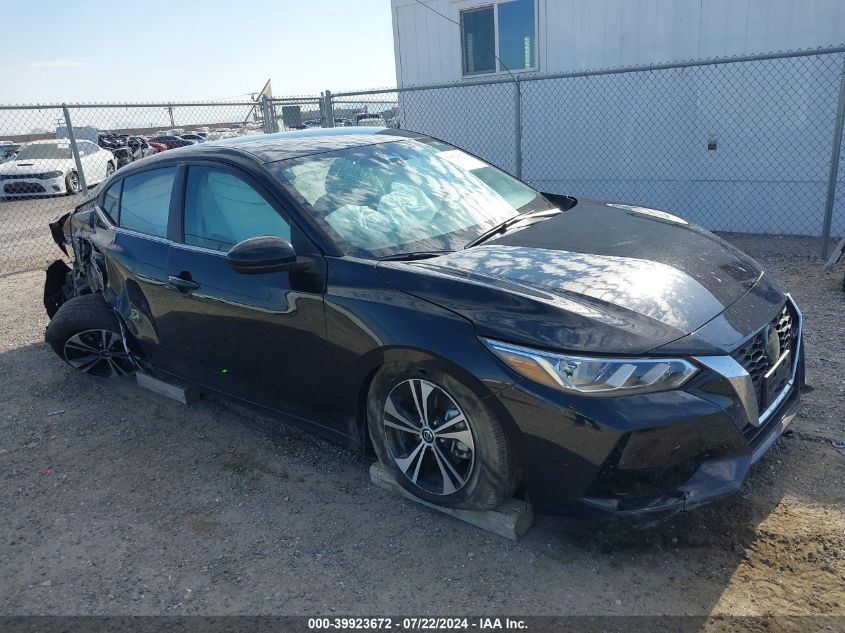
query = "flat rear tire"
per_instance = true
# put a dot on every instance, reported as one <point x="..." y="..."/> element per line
<point x="85" y="333"/>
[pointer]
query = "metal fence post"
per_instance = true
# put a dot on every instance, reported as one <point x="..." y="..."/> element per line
<point x="274" y="119"/>
<point x="834" y="166"/>
<point x="328" y="116"/>
<point x="517" y="123"/>
<point x="265" y="114"/>
<point x="75" y="151"/>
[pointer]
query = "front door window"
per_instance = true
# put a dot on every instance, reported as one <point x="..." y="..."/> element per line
<point x="221" y="210"/>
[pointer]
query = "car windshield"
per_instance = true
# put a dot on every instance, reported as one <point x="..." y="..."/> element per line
<point x="44" y="150"/>
<point x="404" y="196"/>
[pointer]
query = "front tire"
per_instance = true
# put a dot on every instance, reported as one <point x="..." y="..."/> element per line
<point x="72" y="183"/>
<point x="86" y="335"/>
<point x="438" y="439"/>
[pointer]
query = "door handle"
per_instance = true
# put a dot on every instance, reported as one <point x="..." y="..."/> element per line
<point x="182" y="285"/>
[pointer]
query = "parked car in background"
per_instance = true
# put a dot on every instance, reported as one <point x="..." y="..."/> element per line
<point x="171" y="142"/>
<point x="48" y="167"/>
<point x="139" y="147"/>
<point x="116" y="144"/>
<point x="369" y="120"/>
<point x="218" y="134"/>
<point x="338" y="122"/>
<point x="158" y="147"/>
<point x="8" y="150"/>
<point x="196" y="138"/>
<point x="390" y="289"/>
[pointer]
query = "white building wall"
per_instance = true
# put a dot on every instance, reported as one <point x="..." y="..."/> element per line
<point x="592" y="34"/>
<point x="642" y="137"/>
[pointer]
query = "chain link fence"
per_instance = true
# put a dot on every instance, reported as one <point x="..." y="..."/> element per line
<point x="480" y="118"/>
<point x="742" y="147"/>
<point x="44" y="172"/>
<point x="745" y="144"/>
<point x="737" y="145"/>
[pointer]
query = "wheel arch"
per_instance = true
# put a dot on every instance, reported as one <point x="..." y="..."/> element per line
<point x="90" y="312"/>
<point x="370" y="363"/>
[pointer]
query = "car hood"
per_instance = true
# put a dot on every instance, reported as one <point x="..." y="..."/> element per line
<point x="34" y="166"/>
<point x="598" y="278"/>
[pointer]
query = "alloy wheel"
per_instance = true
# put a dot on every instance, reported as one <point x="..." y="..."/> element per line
<point x="98" y="352"/>
<point x="73" y="181"/>
<point x="429" y="437"/>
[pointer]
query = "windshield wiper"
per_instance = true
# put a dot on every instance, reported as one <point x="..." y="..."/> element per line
<point x="508" y="224"/>
<point x="412" y="255"/>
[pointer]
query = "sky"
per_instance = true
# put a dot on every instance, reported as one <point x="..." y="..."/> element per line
<point x="156" y="50"/>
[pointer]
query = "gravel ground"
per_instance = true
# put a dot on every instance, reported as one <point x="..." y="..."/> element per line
<point x="117" y="501"/>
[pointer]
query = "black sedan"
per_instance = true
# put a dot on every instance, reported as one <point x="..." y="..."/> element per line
<point x="171" y="142"/>
<point x="393" y="292"/>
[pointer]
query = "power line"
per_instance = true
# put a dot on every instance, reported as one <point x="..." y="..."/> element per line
<point x="461" y="27"/>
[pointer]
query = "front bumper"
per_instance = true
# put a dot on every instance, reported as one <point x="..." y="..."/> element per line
<point x="32" y="186"/>
<point x="644" y="458"/>
<point x="713" y="479"/>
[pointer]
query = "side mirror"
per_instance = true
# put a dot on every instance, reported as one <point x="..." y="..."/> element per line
<point x="263" y="254"/>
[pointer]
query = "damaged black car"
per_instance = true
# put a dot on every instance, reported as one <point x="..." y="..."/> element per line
<point x="395" y="293"/>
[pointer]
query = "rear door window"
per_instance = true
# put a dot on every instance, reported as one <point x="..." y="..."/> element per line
<point x="145" y="203"/>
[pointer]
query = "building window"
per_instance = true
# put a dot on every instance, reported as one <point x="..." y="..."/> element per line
<point x="506" y="30"/>
<point x="479" y="41"/>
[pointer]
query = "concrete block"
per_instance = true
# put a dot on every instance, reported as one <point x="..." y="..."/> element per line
<point x="185" y="395"/>
<point x="511" y="519"/>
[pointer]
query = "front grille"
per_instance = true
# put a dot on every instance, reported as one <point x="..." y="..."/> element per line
<point x="752" y="354"/>
<point x="23" y="187"/>
<point x="23" y="176"/>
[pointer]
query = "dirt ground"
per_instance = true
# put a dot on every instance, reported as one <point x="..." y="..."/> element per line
<point x="118" y="501"/>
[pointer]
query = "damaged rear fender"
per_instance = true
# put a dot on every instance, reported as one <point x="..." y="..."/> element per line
<point x="78" y="230"/>
<point x="57" y="230"/>
<point x="90" y="239"/>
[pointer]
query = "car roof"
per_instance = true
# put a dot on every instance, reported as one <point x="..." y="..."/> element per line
<point x="269" y="148"/>
<point x="266" y="148"/>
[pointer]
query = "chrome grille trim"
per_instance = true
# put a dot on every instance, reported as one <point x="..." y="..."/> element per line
<point x="740" y="379"/>
<point x="793" y="374"/>
<point x="743" y="384"/>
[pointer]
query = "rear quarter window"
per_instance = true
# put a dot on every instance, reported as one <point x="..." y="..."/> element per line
<point x="111" y="202"/>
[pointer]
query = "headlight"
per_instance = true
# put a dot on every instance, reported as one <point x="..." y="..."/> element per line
<point x="594" y="376"/>
<point x="52" y="174"/>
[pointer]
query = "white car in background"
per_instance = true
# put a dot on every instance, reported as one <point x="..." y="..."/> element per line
<point x="48" y="168"/>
